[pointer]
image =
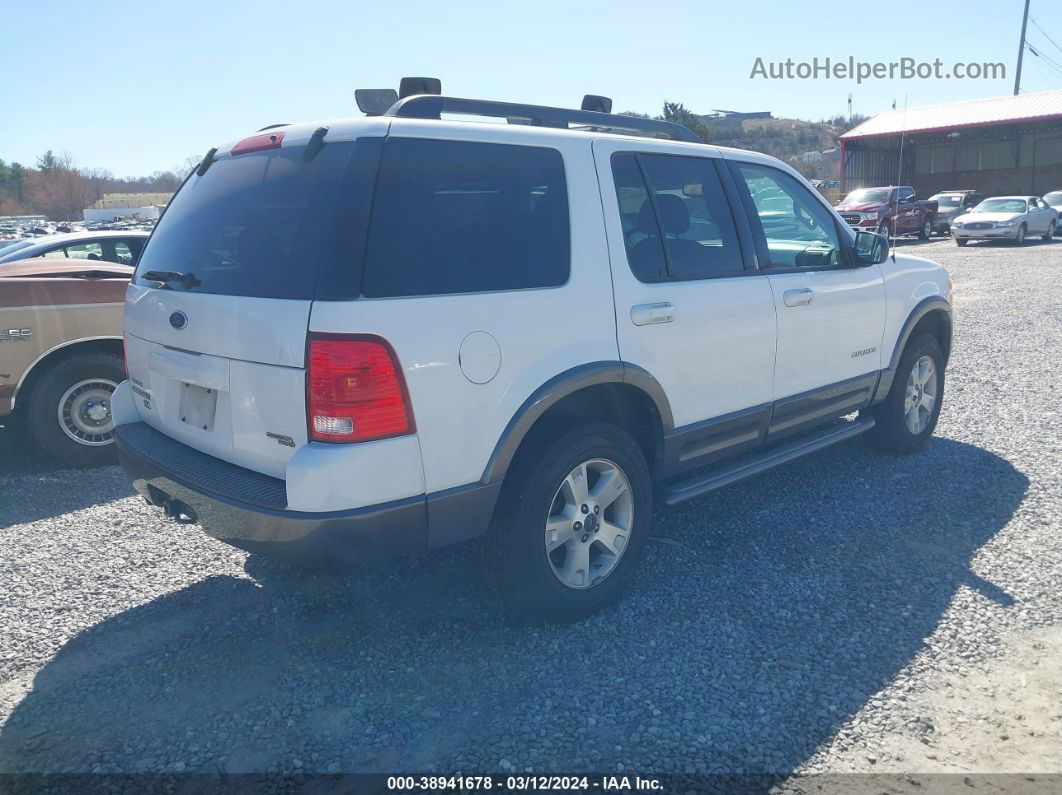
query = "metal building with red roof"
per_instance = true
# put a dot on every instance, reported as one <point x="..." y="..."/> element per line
<point x="999" y="145"/>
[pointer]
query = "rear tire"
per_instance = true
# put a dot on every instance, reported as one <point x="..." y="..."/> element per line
<point x="960" y="242"/>
<point x="1050" y="233"/>
<point x="541" y="521"/>
<point x="904" y="423"/>
<point x="926" y="231"/>
<point x="68" y="411"/>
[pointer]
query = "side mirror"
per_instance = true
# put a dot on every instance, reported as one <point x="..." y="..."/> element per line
<point x="871" y="248"/>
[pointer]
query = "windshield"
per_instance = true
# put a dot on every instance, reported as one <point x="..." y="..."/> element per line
<point x="1054" y="198"/>
<point x="1001" y="206"/>
<point x="254" y="225"/>
<point x="867" y="196"/>
<point x="946" y="199"/>
<point x="8" y="248"/>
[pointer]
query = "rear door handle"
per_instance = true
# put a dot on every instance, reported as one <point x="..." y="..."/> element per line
<point x="801" y="297"/>
<point x="647" y="314"/>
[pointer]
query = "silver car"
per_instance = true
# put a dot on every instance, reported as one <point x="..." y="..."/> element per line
<point x="1054" y="201"/>
<point x="1006" y="218"/>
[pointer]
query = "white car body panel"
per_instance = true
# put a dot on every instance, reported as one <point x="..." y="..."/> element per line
<point x="250" y="350"/>
<point x="733" y="344"/>
<point x="823" y="342"/>
<point x="717" y="355"/>
<point x="458" y="421"/>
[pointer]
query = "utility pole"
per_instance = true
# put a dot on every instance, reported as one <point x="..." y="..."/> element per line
<point x="1021" y="49"/>
<point x="849" y="107"/>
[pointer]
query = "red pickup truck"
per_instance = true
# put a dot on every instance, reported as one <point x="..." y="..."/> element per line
<point x="893" y="210"/>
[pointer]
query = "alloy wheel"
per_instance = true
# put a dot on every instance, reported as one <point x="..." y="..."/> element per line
<point x="921" y="395"/>
<point x="589" y="523"/>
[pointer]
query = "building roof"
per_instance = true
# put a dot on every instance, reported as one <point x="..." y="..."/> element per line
<point x="1041" y="106"/>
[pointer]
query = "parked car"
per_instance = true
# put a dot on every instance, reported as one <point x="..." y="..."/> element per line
<point x="1054" y="201"/>
<point x="120" y="247"/>
<point x="61" y="354"/>
<point x="395" y="333"/>
<point x="1006" y="218"/>
<point x="889" y="211"/>
<point x="951" y="204"/>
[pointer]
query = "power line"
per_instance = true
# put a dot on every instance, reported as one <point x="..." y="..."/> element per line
<point x="1047" y="36"/>
<point x="1050" y="61"/>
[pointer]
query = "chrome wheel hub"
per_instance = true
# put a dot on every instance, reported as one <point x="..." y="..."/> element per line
<point x="589" y="523"/>
<point x="85" y="412"/>
<point x="921" y="395"/>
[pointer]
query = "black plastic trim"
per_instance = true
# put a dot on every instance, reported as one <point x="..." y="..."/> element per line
<point x="560" y="386"/>
<point x="244" y="511"/>
<point x="698" y="443"/>
<point x="431" y="106"/>
<point x="769" y="459"/>
<point x="799" y="412"/>
<point x="934" y="303"/>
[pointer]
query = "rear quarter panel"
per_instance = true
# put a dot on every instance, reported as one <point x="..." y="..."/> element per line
<point x="49" y="314"/>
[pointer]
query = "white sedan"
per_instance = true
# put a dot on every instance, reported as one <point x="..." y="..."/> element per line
<point x="1006" y="218"/>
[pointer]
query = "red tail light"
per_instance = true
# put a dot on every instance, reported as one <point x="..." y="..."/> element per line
<point x="354" y="390"/>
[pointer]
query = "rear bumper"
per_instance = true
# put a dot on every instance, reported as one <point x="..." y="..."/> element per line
<point x="246" y="509"/>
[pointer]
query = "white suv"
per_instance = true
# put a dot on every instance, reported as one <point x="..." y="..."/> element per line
<point x="385" y="335"/>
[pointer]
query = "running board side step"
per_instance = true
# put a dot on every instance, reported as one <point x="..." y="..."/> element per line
<point x="683" y="490"/>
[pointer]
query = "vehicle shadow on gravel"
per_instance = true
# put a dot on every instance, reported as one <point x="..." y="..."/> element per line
<point x="32" y="487"/>
<point x="763" y="619"/>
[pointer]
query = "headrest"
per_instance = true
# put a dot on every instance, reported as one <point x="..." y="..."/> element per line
<point x="674" y="216"/>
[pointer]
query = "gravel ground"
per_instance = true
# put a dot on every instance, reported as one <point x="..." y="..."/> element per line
<point x="852" y="612"/>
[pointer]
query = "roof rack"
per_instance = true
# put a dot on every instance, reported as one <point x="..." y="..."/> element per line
<point x="431" y="106"/>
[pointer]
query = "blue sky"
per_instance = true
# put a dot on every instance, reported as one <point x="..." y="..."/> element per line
<point x="138" y="87"/>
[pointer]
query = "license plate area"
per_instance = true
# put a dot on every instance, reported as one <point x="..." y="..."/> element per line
<point x="197" y="406"/>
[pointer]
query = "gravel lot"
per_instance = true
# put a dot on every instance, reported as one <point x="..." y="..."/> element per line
<point x="853" y="612"/>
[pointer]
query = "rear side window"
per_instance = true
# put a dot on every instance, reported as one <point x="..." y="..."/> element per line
<point x="460" y="217"/>
<point x="255" y="225"/>
<point x="676" y="220"/>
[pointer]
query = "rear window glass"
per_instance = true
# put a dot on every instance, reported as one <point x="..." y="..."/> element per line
<point x="254" y="225"/>
<point x="460" y="217"/>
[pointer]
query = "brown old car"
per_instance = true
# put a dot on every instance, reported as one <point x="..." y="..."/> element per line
<point x="61" y="354"/>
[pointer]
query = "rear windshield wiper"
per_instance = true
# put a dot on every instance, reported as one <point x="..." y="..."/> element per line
<point x="186" y="280"/>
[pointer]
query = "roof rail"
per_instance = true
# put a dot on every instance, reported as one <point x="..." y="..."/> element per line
<point x="430" y="106"/>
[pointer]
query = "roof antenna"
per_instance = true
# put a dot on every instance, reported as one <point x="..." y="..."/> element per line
<point x="899" y="178"/>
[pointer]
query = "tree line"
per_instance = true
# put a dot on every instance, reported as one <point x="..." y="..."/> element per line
<point x="56" y="187"/>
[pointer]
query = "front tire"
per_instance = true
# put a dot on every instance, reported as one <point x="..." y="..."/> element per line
<point x="68" y="411"/>
<point x="907" y="417"/>
<point x="572" y="522"/>
<point x="961" y="241"/>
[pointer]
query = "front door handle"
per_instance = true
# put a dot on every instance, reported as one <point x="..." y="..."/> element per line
<point x="647" y="314"/>
<point x="801" y="297"/>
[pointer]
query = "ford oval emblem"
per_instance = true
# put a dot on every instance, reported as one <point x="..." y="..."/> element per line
<point x="178" y="320"/>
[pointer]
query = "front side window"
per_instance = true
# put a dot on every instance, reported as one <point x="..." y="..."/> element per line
<point x="675" y="218"/>
<point x="461" y="217"/>
<point x="85" y="251"/>
<point x="122" y="253"/>
<point x="799" y="231"/>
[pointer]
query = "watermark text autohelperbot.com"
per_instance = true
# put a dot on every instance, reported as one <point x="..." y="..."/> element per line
<point x="851" y="69"/>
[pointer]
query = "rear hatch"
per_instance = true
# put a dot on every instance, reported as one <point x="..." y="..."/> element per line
<point x="216" y="316"/>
